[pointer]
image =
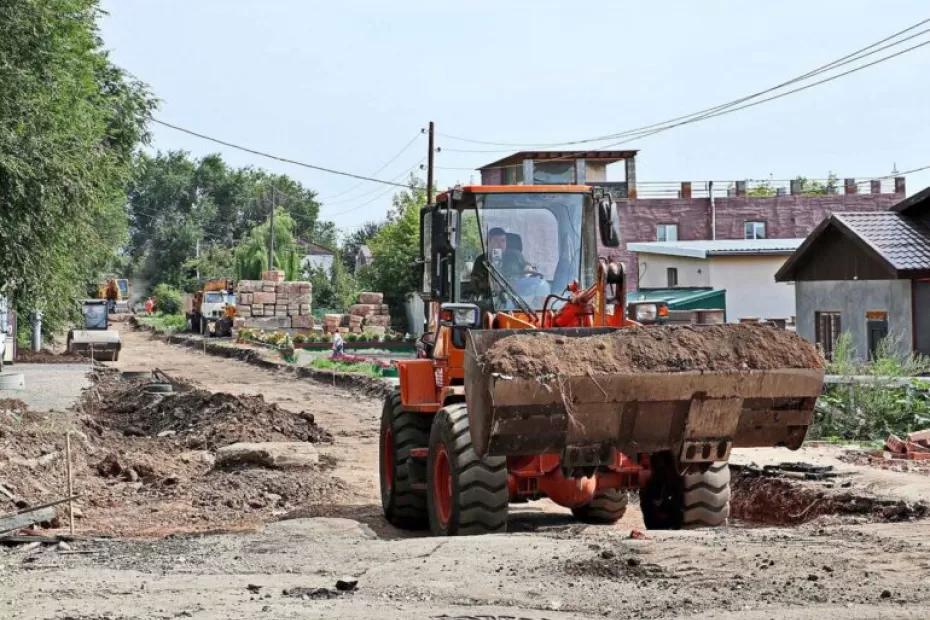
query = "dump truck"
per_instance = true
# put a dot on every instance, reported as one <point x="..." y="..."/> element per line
<point x="96" y="340"/>
<point x="213" y="308"/>
<point x="116" y="291"/>
<point x="532" y="381"/>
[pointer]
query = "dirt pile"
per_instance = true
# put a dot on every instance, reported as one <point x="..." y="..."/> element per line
<point x="45" y="356"/>
<point x="651" y="349"/>
<point x="201" y="419"/>
<point x="138" y="484"/>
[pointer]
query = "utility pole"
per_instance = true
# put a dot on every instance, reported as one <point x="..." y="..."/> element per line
<point x="197" y="255"/>
<point x="271" y="234"/>
<point x="429" y="165"/>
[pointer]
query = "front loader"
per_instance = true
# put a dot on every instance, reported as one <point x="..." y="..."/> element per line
<point x="96" y="340"/>
<point x="532" y="382"/>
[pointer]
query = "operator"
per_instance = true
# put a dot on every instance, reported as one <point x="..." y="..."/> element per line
<point x="480" y="276"/>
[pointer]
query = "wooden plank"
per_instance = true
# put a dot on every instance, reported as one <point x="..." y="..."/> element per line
<point x="25" y="519"/>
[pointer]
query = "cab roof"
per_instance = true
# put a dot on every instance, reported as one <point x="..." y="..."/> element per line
<point x="519" y="189"/>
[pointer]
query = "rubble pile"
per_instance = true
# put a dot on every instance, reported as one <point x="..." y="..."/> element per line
<point x="916" y="447"/>
<point x="147" y="463"/>
<point x="271" y="303"/>
<point x="369" y="315"/>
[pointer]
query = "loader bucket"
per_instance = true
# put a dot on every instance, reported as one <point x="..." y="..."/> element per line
<point x="101" y="345"/>
<point x="700" y="414"/>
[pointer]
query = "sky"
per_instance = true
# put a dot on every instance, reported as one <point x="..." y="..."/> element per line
<point x="348" y="85"/>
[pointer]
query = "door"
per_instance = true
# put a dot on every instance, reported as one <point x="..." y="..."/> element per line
<point x="875" y="330"/>
<point x="921" y="301"/>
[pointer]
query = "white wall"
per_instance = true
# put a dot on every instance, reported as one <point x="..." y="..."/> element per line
<point x="691" y="271"/>
<point x="751" y="287"/>
<point x="748" y="280"/>
<point x="318" y="260"/>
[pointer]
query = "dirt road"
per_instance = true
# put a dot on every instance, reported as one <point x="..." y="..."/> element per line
<point x="548" y="567"/>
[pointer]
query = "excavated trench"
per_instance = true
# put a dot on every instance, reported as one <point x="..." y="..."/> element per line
<point x="794" y="494"/>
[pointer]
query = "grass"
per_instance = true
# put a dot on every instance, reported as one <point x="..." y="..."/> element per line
<point x="359" y="368"/>
<point x="167" y="323"/>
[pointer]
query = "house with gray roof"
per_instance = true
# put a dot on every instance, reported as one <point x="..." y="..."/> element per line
<point x="867" y="274"/>
<point x="743" y="268"/>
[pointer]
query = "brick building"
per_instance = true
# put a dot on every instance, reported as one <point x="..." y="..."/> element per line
<point x="685" y="211"/>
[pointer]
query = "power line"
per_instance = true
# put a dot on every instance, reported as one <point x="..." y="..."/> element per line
<point x="383" y="166"/>
<point x="722" y="112"/>
<point x="277" y="157"/>
<point x="380" y="195"/>
<point x="839" y="62"/>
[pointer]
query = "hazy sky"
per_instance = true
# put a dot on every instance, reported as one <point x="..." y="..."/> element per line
<point x="347" y="84"/>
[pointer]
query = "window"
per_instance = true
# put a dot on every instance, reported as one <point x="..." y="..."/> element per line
<point x="553" y="173"/>
<point x="672" y="273"/>
<point x="667" y="232"/>
<point x="754" y="230"/>
<point x="513" y="175"/>
<point x="827" y="329"/>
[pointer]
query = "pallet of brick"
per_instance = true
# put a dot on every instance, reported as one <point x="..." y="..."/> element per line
<point x="331" y="322"/>
<point x="273" y="276"/>
<point x="243" y="310"/>
<point x="371" y="298"/>
<point x="304" y="321"/>
<point x="363" y="309"/>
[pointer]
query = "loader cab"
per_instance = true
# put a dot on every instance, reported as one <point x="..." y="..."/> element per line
<point x="95" y="314"/>
<point x="510" y="248"/>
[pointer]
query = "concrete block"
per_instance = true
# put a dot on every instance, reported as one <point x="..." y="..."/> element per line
<point x="370" y="298"/>
<point x="363" y="309"/>
<point x="304" y="321"/>
<point x="269" y="322"/>
<point x="271" y="454"/>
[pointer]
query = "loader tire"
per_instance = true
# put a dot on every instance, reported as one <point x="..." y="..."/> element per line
<point x="607" y="507"/>
<point x="698" y="498"/>
<point x="707" y="496"/>
<point x="404" y="506"/>
<point x="465" y="494"/>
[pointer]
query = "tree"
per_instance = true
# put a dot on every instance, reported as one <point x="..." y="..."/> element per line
<point x="221" y="205"/>
<point x="251" y="255"/>
<point x="69" y="123"/>
<point x="355" y="240"/>
<point x="395" y="249"/>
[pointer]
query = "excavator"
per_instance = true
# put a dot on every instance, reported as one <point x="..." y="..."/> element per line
<point x="463" y="436"/>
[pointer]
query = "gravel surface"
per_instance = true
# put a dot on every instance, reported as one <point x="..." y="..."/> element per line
<point x="50" y="387"/>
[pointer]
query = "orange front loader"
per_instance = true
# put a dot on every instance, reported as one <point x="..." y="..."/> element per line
<point x="460" y="442"/>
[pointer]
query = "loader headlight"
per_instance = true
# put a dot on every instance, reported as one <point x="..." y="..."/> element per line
<point x="459" y="315"/>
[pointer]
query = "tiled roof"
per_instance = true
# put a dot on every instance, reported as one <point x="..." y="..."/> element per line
<point x="717" y="247"/>
<point x="902" y="241"/>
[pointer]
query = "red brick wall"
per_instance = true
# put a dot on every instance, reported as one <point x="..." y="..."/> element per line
<point x="785" y="217"/>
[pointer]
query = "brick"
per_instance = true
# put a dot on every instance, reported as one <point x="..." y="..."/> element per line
<point x="243" y="310"/>
<point x="280" y="311"/>
<point x="370" y="298"/>
<point x="263" y="298"/>
<point x="244" y="299"/>
<point x="304" y="309"/>
<point x="895" y="444"/>
<point x="258" y="310"/>
<point x="919" y="436"/>
<point x="273" y="276"/>
<point x="356" y="320"/>
<point x="268" y="287"/>
<point x="303" y="298"/>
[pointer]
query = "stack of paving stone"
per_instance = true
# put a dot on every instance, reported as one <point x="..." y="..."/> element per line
<point x="273" y="304"/>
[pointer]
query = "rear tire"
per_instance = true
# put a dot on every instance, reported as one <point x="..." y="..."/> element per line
<point x="695" y="499"/>
<point x="403" y="505"/>
<point x="606" y="508"/>
<point x="465" y="494"/>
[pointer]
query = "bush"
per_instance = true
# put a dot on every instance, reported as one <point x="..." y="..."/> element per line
<point x="168" y="299"/>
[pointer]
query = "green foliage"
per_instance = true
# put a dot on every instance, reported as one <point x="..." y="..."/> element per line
<point x="176" y="201"/>
<point x="251" y="256"/>
<point x="357" y="239"/>
<point x="168" y="299"/>
<point x="168" y="323"/>
<point x="334" y="291"/>
<point x="762" y="190"/>
<point x="816" y="188"/>
<point x="69" y="123"/>
<point x="361" y="368"/>
<point x="876" y="398"/>
<point x="395" y="249"/>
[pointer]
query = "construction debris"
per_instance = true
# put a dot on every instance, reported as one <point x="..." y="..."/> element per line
<point x="915" y="448"/>
<point x="26" y="518"/>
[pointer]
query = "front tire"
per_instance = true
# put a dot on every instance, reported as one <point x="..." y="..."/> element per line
<point x="465" y="494"/>
<point x="403" y="505"/>
<point x="696" y="499"/>
<point x="606" y="508"/>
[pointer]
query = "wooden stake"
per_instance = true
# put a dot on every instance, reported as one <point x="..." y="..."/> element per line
<point x="70" y="482"/>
